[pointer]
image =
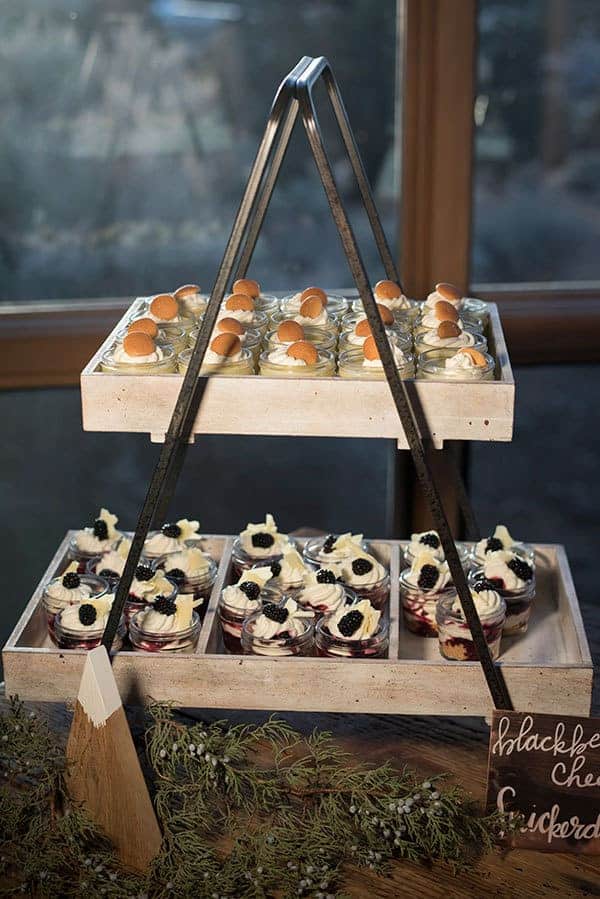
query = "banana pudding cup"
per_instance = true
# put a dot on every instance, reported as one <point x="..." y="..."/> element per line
<point x="192" y="301"/>
<point x="263" y="302"/>
<point x="366" y="364"/>
<point x="249" y="339"/>
<point x="334" y="303"/>
<point x="449" y="335"/>
<point x="312" y="314"/>
<point x="465" y="364"/>
<point x="138" y="354"/>
<point x="165" y="310"/>
<point x="470" y="308"/>
<point x="225" y="357"/>
<point x="298" y="360"/>
<point x="289" y="332"/>
<point x="241" y="308"/>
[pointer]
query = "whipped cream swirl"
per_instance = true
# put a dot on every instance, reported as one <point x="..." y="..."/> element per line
<point x="355" y="575"/>
<point x="366" y="628"/>
<point x="160" y="543"/>
<point x="279" y="356"/>
<point x="70" y="618"/>
<point x="121" y="356"/>
<point x="434" y="579"/>
<point x="87" y="541"/>
<point x="237" y="599"/>
<point x="505" y="567"/>
<point x="425" y="540"/>
<point x="191" y="560"/>
<point x="322" y="596"/>
<point x="253" y="548"/>
<point x="397" y="353"/>
<point x="294" y="625"/>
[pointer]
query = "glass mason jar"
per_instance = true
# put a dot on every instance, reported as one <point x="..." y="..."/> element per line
<point x="250" y="321"/>
<point x="231" y="618"/>
<point x="374" y="647"/>
<point x="418" y="606"/>
<point x="463" y="549"/>
<point x="94" y="566"/>
<point x="321" y="339"/>
<point x="165" y="366"/>
<point x="194" y="542"/>
<point x="53" y="603"/>
<point x="431" y="366"/>
<point x="266" y="302"/>
<point x="456" y="642"/>
<point x="350" y="320"/>
<point x="181" y="321"/>
<point x="324" y="367"/>
<point x="475" y="310"/>
<point x="377" y="593"/>
<point x="184" y="640"/>
<point x="242" y="560"/>
<point x="477" y="557"/>
<point x="250" y="340"/>
<point x="89" y="638"/>
<point x="349" y="342"/>
<point x="200" y="585"/>
<point x="135" y="603"/>
<point x="301" y="644"/>
<point x="405" y="316"/>
<point x="228" y="368"/>
<point x="315" y="554"/>
<point x="168" y="335"/>
<point x="194" y="305"/>
<point x="336" y="304"/>
<point x="331" y="326"/>
<point x="518" y="603"/>
<point x="350" y="365"/>
<point x="451" y="343"/>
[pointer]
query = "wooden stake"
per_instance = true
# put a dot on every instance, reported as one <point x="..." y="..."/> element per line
<point x="104" y="772"/>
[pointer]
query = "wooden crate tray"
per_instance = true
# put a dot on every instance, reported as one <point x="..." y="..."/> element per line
<point x="547" y="670"/>
<point x="322" y="407"/>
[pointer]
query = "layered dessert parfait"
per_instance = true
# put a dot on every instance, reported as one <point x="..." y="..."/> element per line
<point x="191" y="300"/>
<point x="279" y="629"/>
<point x="168" y="625"/>
<point x="82" y="626"/>
<point x="292" y="304"/>
<point x="192" y="571"/>
<point x="455" y="638"/>
<point x="356" y="632"/>
<point x="334" y="548"/>
<point x="172" y="537"/>
<point x="470" y="308"/>
<point x="259" y="542"/>
<point x="311" y="314"/>
<point x="111" y="562"/>
<point x="465" y="364"/>
<point x="430" y="541"/>
<point x="421" y="586"/>
<point x="242" y="309"/>
<point x="146" y="585"/>
<point x="449" y="335"/>
<point x="367" y="577"/>
<point x="501" y="540"/>
<point x="241" y="600"/>
<point x="323" y="593"/>
<point x="225" y="357"/>
<point x="298" y="360"/>
<point x="139" y="354"/>
<point x="288" y="332"/>
<point x="165" y="310"/>
<point x="249" y="339"/>
<point x="70" y="588"/>
<point x="289" y="572"/>
<point x="264" y="302"/>
<point x="92" y="541"/>
<point x="514" y="579"/>
<point x="367" y="364"/>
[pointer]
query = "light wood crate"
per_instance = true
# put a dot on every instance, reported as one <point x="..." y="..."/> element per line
<point x="322" y="407"/>
<point x="547" y="670"/>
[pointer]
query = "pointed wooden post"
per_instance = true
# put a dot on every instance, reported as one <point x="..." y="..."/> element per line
<point x="104" y="772"/>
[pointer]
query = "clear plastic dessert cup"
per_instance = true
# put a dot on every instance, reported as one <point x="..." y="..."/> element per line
<point x="331" y="326"/>
<point x="321" y="339"/>
<point x="228" y="368"/>
<point x="165" y="366"/>
<point x="431" y="366"/>
<point x="518" y="603"/>
<point x="98" y="586"/>
<point x="70" y="638"/>
<point x="251" y="340"/>
<point x="422" y="345"/>
<point x="179" y="641"/>
<point x="324" y="367"/>
<point x="456" y="641"/>
<point x="200" y="586"/>
<point x="330" y="646"/>
<point x="231" y="618"/>
<point x="351" y="365"/>
<point x="349" y="343"/>
<point x="336" y="304"/>
<point x="241" y="560"/>
<point x="284" y="644"/>
<point x="418" y="606"/>
<point x="314" y="551"/>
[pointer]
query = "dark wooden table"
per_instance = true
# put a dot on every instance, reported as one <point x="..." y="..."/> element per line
<point x="430" y="745"/>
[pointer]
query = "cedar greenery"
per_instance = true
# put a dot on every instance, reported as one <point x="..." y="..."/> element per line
<point x="247" y="811"/>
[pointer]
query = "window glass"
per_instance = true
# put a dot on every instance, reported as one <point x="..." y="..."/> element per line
<point x="537" y="144"/>
<point x="127" y="131"/>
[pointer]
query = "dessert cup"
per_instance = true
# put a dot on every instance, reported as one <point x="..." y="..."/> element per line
<point x="329" y="325"/>
<point x="199" y="585"/>
<point x="331" y="646"/>
<point x="456" y="641"/>
<point x="333" y="548"/>
<point x="418" y="606"/>
<point x="290" y="305"/>
<point x="229" y="367"/>
<point x="351" y="365"/>
<point x="405" y="314"/>
<point x="321" y="339"/>
<point x="325" y="598"/>
<point x="428" y="340"/>
<point x="299" y="643"/>
<point x="87" y="638"/>
<point x="172" y="537"/>
<point x="254" y="320"/>
<point x="349" y="342"/>
<point x="186" y="322"/>
<point x="90" y="541"/>
<point x="165" y="366"/>
<point x="56" y="596"/>
<point x="501" y="540"/>
<point x="250" y="340"/>
<point x="168" y="335"/>
<point x="97" y="566"/>
<point x="136" y="601"/>
<point x="431" y="366"/>
<point x="232" y="617"/>
<point x="323" y="368"/>
<point x="377" y="592"/>
<point x="180" y="641"/>
<point x="463" y="549"/>
<point x="518" y="602"/>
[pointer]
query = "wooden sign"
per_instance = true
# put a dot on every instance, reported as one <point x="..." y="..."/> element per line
<point x="547" y="767"/>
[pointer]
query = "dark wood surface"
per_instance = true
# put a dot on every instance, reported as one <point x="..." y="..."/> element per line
<point x="430" y="745"/>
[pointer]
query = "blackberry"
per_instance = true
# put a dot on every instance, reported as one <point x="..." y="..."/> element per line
<point x="350" y="623"/>
<point x="428" y="577"/>
<point x="493" y="545"/>
<point x="176" y="574"/>
<point x="361" y="566"/>
<point x="251" y="590"/>
<point x="87" y="613"/>
<point x="100" y="529"/>
<point x="144" y="573"/>
<point x="171" y="530"/>
<point x="521" y="568"/>
<point x="275" y="613"/>
<point x="262" y="540"/>
<point x="482" y="584"/>
<point x="71" y="580"/>
<point x="165" y="605"/>
<point x="431" y="540"/>
<point x="106" y="572"/>
<point x="326" y="576"/>
<point x="275" y="569"/>
<point x="328" y="544"/>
